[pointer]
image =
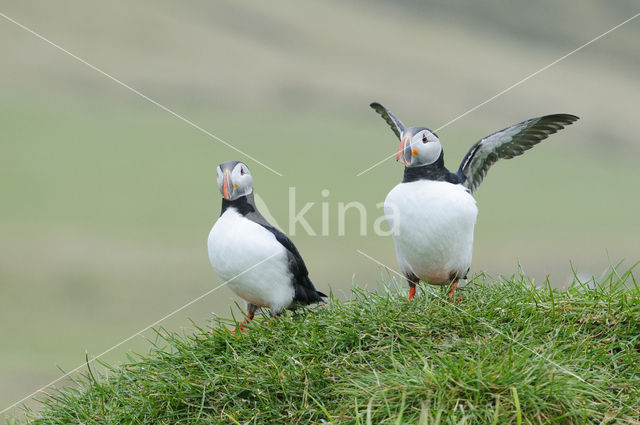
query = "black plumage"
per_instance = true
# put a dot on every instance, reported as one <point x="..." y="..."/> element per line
<point x="508" y="143"/>
<point x="436" y="171"/>
<point x="395" y="124"/>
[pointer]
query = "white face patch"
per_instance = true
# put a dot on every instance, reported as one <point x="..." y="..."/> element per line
<point x="242" y="181"/>
<point x="425" y="148"/>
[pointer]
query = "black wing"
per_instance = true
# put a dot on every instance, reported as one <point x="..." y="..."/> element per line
<point x="508" y="143"/>
<point x="305" y="292"/>
<point x="395" y="124"/>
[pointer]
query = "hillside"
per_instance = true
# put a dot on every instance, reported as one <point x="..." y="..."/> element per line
<point x="113" y="198"/>
<point x="507" y="352"/>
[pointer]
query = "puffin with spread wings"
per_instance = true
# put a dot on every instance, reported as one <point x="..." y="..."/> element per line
<point x="432" y="213"/>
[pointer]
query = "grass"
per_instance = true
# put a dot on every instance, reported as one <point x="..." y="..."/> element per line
<point x="507" y="352"/>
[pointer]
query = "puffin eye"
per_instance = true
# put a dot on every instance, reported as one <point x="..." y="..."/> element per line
<point x="424" y="138"/>
<point x="242" y="172"/>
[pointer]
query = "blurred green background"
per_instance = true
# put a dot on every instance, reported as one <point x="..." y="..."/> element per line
<point x="107" y="200"/>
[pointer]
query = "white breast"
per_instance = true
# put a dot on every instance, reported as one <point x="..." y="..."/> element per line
<point x="252" y="260"/>
<point x="433" y="228"/>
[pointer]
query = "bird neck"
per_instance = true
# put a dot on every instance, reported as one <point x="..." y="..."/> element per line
<point x="244" y="204"/>
<point x="434" y="171"/>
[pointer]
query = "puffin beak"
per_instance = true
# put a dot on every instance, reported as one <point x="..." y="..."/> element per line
<point x="405" y="152"/>
<point x="226" y="192"/>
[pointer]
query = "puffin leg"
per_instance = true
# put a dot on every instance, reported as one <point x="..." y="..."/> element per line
<point x="274" y="315"/>
<point x="412" y="291"/>
<point x="454" y="285"/>
<point x="251" y="311"/>
<point x="412" y="280"/>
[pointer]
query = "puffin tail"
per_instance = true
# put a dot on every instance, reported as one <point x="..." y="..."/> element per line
<point x="306" y="293"/>
<point x="321" y="296"/>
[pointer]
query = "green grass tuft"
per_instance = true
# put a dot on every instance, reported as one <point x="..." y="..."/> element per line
<point x="379" y="359"/>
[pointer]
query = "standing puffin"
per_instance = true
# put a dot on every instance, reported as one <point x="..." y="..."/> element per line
<point x="432" y="212"/>
<point x="259" y="262"/>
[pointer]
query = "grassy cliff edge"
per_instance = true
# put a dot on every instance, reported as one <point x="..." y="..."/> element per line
<point x="507" y="352"/>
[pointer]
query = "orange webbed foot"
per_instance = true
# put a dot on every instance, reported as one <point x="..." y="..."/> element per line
<point x="454" y="285"/>
<point x="240" y="327"/>
<point x="412" y="292"/>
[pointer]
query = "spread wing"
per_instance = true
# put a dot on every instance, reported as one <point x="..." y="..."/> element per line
<point x="395" y="124"/>
<point x="304" y="290"/>
<point x="508" y="143"/>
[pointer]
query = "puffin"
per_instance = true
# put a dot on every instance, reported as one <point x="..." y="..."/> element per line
<point x="432" y="212"/>
<point x="258" y="262"/>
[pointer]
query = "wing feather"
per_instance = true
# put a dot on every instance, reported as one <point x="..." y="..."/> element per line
<point x="508" y="143"/>
<point x="395" y="124"/>
<point x="305" y="291"/>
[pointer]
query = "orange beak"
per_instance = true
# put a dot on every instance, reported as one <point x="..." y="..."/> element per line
<point x="226" y="193"/>
<point x="402" y="154"/>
